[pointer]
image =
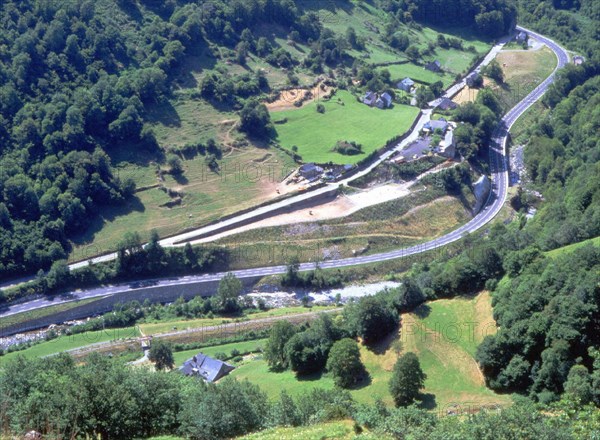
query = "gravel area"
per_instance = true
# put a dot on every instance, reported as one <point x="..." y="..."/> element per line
<point x="278" y="298"/>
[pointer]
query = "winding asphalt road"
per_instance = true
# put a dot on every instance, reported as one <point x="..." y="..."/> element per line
<point x="496" y="199"/>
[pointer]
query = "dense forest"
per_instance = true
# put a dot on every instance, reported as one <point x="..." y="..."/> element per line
<point x="491" y="19"/>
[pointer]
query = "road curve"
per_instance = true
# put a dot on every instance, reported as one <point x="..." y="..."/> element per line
<point x="496" y="199"/>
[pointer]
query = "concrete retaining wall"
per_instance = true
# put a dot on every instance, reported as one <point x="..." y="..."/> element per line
<point x="155" y="294"/>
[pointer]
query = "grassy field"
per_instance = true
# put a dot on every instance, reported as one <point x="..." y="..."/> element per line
<point x="444" y="335"/>
<point x="153" y="328"/>
<point x="570" y="248"/>
<point x="64" y="343"/>
<point x="248" y="176"/>
<point x="523" y="71"/>
<point x="341" y="430"/>
<point x="345" y="119"/>
<point x="401" y="71"/>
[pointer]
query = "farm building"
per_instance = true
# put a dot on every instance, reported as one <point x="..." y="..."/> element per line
<point x="447" y="104"/>
<point x="370" y="98"/>
<point x="384" y="101"/>
<point x="406" y="84"/>
<point x="310" y="171"/>
<point x="472" y="79"/>
<point x="434" y="66"/>
<point x="433" y="125"/>
<point x="206" y="367"/>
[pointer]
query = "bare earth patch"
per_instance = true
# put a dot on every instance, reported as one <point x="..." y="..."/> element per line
<point x="288" y="98"/>
<point x="343" y="205"/>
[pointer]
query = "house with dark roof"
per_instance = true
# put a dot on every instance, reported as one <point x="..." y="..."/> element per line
<point x="438" y="124"/>
<point x="370" y="98"/>
<point x="206" y="367"/>
<point x="310" y="171"/>
<point x="521" y="37"/>
<point x="434" y="66"/>
<point x="447" y="104"/>
<point x="406" y="84"/>
<point x="472" y="79"/>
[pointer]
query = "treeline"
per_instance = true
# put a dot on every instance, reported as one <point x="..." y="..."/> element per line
<point x="134" y="261"/>
<point x="490" y="19"/>
<point x="562" y="160"/>
<point x="548" y="318"/>
<point x="101" y="397"/>
<point x="553" y="300"/>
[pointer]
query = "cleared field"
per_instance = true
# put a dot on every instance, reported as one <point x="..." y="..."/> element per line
<point x="417" y="73"/>
<point x="444" y="335"/>
<point x="153" y="328"/>
<point x="523" y="71"/>
<point x="345" y="119"/>
<point x="247" y="177"/>
<point x="64" y="343"/>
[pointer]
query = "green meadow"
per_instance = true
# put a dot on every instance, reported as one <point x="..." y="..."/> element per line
<point x="345" y="119"/>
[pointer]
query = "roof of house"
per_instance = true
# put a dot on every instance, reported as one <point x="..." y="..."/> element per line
<point x="205" y="367"/>
<point x="434" y="66"/>
<point x="447" y="103"/>
<point x="407" y="82"/>
<point x="521" y="35"/>
<point x="441" y="123"/>
<point x="387" y="98"/>
<point x="370" y="94"/>
<point x="310" y="168"/>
